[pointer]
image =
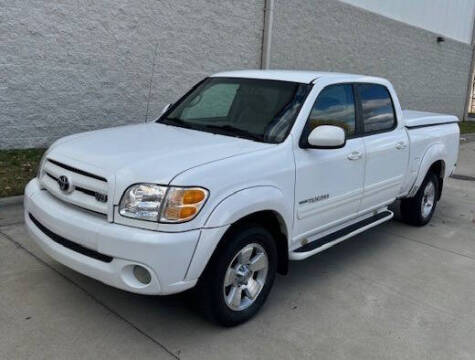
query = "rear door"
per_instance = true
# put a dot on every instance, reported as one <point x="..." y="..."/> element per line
<point x="386" y="146"/>
<point x="329" y="182"/>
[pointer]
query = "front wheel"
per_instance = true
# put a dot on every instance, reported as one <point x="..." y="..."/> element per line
<point x="419" y="209"/>
<point x="240" y="276"/>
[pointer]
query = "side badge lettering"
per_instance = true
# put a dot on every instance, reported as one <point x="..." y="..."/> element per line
<point x="314" y="199"/>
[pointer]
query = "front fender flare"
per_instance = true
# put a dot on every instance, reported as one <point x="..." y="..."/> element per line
<point x="231" y="209"/>
<point x="248" y="201"/>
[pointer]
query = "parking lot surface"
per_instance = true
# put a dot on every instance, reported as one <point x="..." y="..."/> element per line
<point x="394" y="292"/>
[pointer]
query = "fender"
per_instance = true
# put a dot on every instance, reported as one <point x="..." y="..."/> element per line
<point x="231" y="209"/>
<point x="434" y="153"/>
<point x="247" y="201"/>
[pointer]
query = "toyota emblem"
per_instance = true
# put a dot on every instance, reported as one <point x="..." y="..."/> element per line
<point x="63" y="183"/>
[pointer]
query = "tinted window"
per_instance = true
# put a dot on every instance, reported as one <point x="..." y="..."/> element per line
<point x="335" y="105"/>
<point x="378" y="111"/>
<point x="258" y="109"/>
<point x="214" y="102"/>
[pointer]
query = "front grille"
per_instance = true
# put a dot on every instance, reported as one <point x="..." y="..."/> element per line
<point x="92" y="193"/>
<point x="86" y="190"/>
<point x="78" y="171"/>
<point x="70" y="244"/>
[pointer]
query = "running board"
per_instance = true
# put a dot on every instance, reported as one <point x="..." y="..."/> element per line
<point x="329" y="240"/>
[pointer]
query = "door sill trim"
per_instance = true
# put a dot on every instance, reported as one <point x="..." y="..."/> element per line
<point x="332" y="239"/>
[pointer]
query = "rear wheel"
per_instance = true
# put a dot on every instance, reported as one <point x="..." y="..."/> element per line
<point x="419" y="209"/>
<point x="240" y="276"/>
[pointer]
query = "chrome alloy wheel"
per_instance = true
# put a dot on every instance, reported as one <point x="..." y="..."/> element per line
<point x="428" y="199"/>
<point x="245" y="277"/>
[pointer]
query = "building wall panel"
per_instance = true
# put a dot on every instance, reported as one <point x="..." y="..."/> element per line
<point x="75" y="65"/>
<point x="452" y="18"/>
<point x="333" y="36"/>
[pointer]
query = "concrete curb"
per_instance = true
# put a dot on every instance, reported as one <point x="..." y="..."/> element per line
<point x="11" y="200"/>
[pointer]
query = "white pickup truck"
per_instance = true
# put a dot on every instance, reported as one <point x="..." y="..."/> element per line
<point x="248" y="170"/>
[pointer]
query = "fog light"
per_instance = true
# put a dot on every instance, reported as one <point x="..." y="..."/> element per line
<point x="142" y="274"/>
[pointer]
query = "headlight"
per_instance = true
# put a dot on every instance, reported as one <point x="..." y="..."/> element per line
<point x="142" y="201"/>
<point x="154" y="203"/>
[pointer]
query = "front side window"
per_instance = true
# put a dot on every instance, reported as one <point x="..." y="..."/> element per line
<point x="262" y="110"/>
<point x="335" y="105"/>
<point x="377" y="107"/>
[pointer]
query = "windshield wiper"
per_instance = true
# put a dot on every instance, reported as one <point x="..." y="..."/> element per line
<point x="177" y="122"/>
<point x="234" y="131"/>
<point x="218" y="129"/>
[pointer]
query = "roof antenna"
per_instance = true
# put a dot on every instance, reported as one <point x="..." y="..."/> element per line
<point x="151" y="82"/>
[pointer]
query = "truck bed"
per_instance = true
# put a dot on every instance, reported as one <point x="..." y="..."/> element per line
<point x="414" y="119"/>
<point x="431" y="136"/>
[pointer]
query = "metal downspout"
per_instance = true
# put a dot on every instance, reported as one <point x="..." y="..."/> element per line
<point x="267" y="35"/>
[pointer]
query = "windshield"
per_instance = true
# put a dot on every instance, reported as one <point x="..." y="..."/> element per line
<point x="261" y="110"/>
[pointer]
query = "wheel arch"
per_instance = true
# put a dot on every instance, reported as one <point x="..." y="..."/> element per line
<point x="438" y="168"/>
<point x="275" y="224"/>
<point x="262" y="205"/>
<point x="433" y="160"/>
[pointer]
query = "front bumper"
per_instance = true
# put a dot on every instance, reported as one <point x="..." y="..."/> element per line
<point x="166" y="256"/>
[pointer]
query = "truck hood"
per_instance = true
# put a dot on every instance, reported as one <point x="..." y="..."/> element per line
<point x="152" y="153"/>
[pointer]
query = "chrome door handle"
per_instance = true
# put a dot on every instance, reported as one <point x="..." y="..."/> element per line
<point x="401" y="145"/>
<point x="355" y="155"/>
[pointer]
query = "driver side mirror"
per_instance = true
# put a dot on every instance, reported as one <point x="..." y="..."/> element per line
<point x="327" y="137"/>
<point x="165" y="108"/>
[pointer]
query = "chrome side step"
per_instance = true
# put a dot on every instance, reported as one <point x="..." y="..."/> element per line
<point x="329" y="240"/>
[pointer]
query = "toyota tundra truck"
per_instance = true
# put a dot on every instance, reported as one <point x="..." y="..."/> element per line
<point x="244" y="173"/>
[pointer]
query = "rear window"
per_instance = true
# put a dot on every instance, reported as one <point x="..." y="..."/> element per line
<point x="377" y="106"/>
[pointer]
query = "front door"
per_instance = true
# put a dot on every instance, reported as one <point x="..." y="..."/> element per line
<point x="329" y="182"/>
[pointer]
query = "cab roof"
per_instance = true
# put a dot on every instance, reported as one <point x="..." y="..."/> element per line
<point x="305" y="77"/>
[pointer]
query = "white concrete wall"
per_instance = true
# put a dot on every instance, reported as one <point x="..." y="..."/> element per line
<point x="331" y="35"/>
<point x="451" y="18"/>
<point x="75" y="65"/>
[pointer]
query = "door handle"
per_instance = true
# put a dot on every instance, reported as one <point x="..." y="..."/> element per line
<point x="355" y="155"/>
<point x="401" y="145"/>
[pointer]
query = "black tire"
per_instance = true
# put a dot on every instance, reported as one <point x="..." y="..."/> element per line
<point x="411" y="208"/>
<point x="210" y="290"/>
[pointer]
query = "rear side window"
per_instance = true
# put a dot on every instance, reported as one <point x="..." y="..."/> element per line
<point x="377" y="107"/>
<point x="335" y="105"/>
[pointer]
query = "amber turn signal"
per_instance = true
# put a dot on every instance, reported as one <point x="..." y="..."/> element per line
<point x="193" y="196"/>
<point x="187" y="211"/>
<point x="182" y="204"/>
